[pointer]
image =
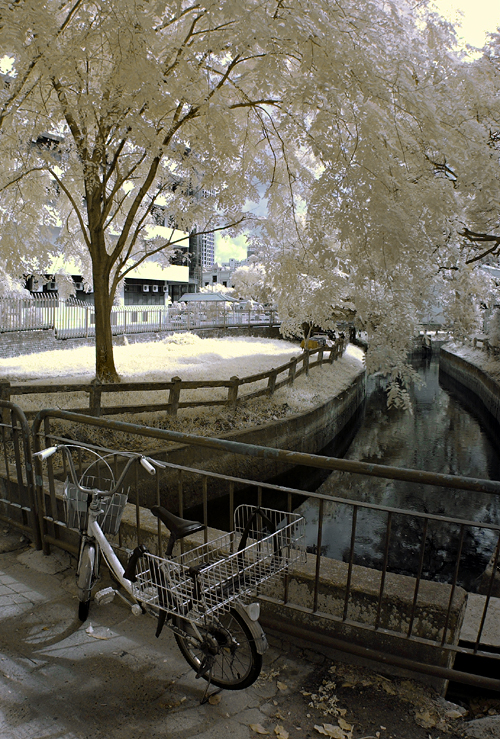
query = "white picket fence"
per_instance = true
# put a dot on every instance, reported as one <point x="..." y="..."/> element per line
<point x="73" y="319"/>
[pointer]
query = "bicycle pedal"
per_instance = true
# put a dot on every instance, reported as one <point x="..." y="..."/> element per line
<point x="105" y="596"/>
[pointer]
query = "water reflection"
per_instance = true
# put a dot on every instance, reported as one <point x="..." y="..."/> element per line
<point x="439" y="436"/>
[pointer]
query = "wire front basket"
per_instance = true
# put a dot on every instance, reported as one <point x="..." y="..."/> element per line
<point x="76" y="504"/>
<point x="235" y="566"/>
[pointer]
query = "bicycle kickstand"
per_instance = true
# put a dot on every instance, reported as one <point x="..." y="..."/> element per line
<point x="206" y="696"/>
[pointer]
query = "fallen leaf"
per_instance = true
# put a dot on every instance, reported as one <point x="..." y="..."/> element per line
<point x="281" y="686"/>
<point x="389" y="688"/>
<point x="215" y="699"/>
<point x="344" y="725"/>
<point x="425" y="719"/>
<point x="280" y="732"/>
<point x="335" y="732"/>
<point x="258" y="728"/>
<point x="454" y="713"/>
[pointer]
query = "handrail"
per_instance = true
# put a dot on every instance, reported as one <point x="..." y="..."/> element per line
<point x="292" y="458"/>
<point x="175" y="386"/>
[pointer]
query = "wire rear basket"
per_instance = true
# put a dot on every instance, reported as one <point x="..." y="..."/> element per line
<point x="76" y="504"/>
<point x="235" y="566"/>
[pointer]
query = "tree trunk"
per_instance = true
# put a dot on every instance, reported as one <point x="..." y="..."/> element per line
<point x="104" y="361"/>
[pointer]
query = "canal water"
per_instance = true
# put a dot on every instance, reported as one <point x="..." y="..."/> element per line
<point x="444" y="433"/>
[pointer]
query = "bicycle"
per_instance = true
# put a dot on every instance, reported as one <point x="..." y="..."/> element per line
<point x="203" y="595"/>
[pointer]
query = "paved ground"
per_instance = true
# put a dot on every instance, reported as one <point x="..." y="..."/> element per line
<point x="111" y="678"/>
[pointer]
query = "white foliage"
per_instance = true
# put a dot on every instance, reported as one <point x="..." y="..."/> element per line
<point x="362" y="133"/>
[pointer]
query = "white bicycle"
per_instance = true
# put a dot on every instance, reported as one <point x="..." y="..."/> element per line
<point x="205" y="596"/>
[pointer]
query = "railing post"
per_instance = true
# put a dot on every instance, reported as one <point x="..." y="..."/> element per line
<point x="173" y="398"/>
<point x="333" y="353"/>
<point x="292" y="371"/>
<point x="232" y="395"/>
<point x="272" y="381"/>
<point x="5" y="395"/>
<point x="95" y="398"/>
<point x="320" y="355"/>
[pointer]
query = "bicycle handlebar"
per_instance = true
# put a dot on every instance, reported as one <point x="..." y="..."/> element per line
<point x="148" y="464"/>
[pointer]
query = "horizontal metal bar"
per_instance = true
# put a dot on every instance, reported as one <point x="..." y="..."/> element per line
<point x="16" y="524"/>
<point x="325" y="640"/>
<point x="292" y="458"/>
<point x="401" y="636"/>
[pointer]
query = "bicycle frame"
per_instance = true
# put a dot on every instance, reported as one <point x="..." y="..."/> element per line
<point x="94" y="531"/>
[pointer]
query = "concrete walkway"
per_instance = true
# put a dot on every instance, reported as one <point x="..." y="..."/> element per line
<point x="109" y="677"/>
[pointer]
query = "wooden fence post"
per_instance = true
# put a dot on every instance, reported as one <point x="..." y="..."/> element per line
<point x="306" y="361"/>
<point x="292" y="371"/>
<point x="320" y="355"/>
<point x="173" y="398"/>
<point x="95" y="398"/>
<point x="232" y="395"/>
<point x="272" y="381"/>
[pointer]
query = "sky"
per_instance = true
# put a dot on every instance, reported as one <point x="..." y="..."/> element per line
<point x="479" y="17"/>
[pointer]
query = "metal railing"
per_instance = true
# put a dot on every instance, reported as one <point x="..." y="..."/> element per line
<point x="17" y="484"/>
<point x="338" y="599"/>
<point x="484" y="344"/>
<point x="71" y="319"/>
<point x="407" y="619"/>
<point x="221" y="392"/>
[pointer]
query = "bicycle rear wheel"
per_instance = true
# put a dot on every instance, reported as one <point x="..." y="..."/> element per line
<point x="227" y="655"/>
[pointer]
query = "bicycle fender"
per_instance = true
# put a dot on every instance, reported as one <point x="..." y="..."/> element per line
<point x="256" y="629"/>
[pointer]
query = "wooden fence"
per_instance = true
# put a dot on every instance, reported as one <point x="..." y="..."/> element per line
<point x="276" y="378"/>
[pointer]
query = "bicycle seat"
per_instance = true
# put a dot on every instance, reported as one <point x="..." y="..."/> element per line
<point x="179" y="527"/>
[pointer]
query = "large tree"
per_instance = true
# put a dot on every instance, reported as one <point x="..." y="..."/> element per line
<point x="331" y="111"/>
<point x="393" y="141"/>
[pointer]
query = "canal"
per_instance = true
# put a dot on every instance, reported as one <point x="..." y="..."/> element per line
<point x="445" y="432"/>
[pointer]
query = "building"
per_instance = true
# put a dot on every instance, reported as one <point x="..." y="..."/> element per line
<point x="222" y="273"/>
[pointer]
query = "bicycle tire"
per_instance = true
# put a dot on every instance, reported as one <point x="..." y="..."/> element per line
<point x="83" y="610"/>
<point x="233" y="668"/>
<point x="85" y="579"/>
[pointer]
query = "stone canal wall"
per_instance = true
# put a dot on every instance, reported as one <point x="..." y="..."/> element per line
<point x="487" y="399"/>
<point x="475" y="379"/>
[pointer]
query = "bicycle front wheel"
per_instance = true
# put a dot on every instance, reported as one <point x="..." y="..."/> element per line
<point x="85" y="578"/>
<point x="226" y="655"/>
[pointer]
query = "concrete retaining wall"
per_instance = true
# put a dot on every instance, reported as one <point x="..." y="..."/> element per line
<point x="475" y="379"/>
<point x="305" y="432"/>
<point x="487" y="394"/>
